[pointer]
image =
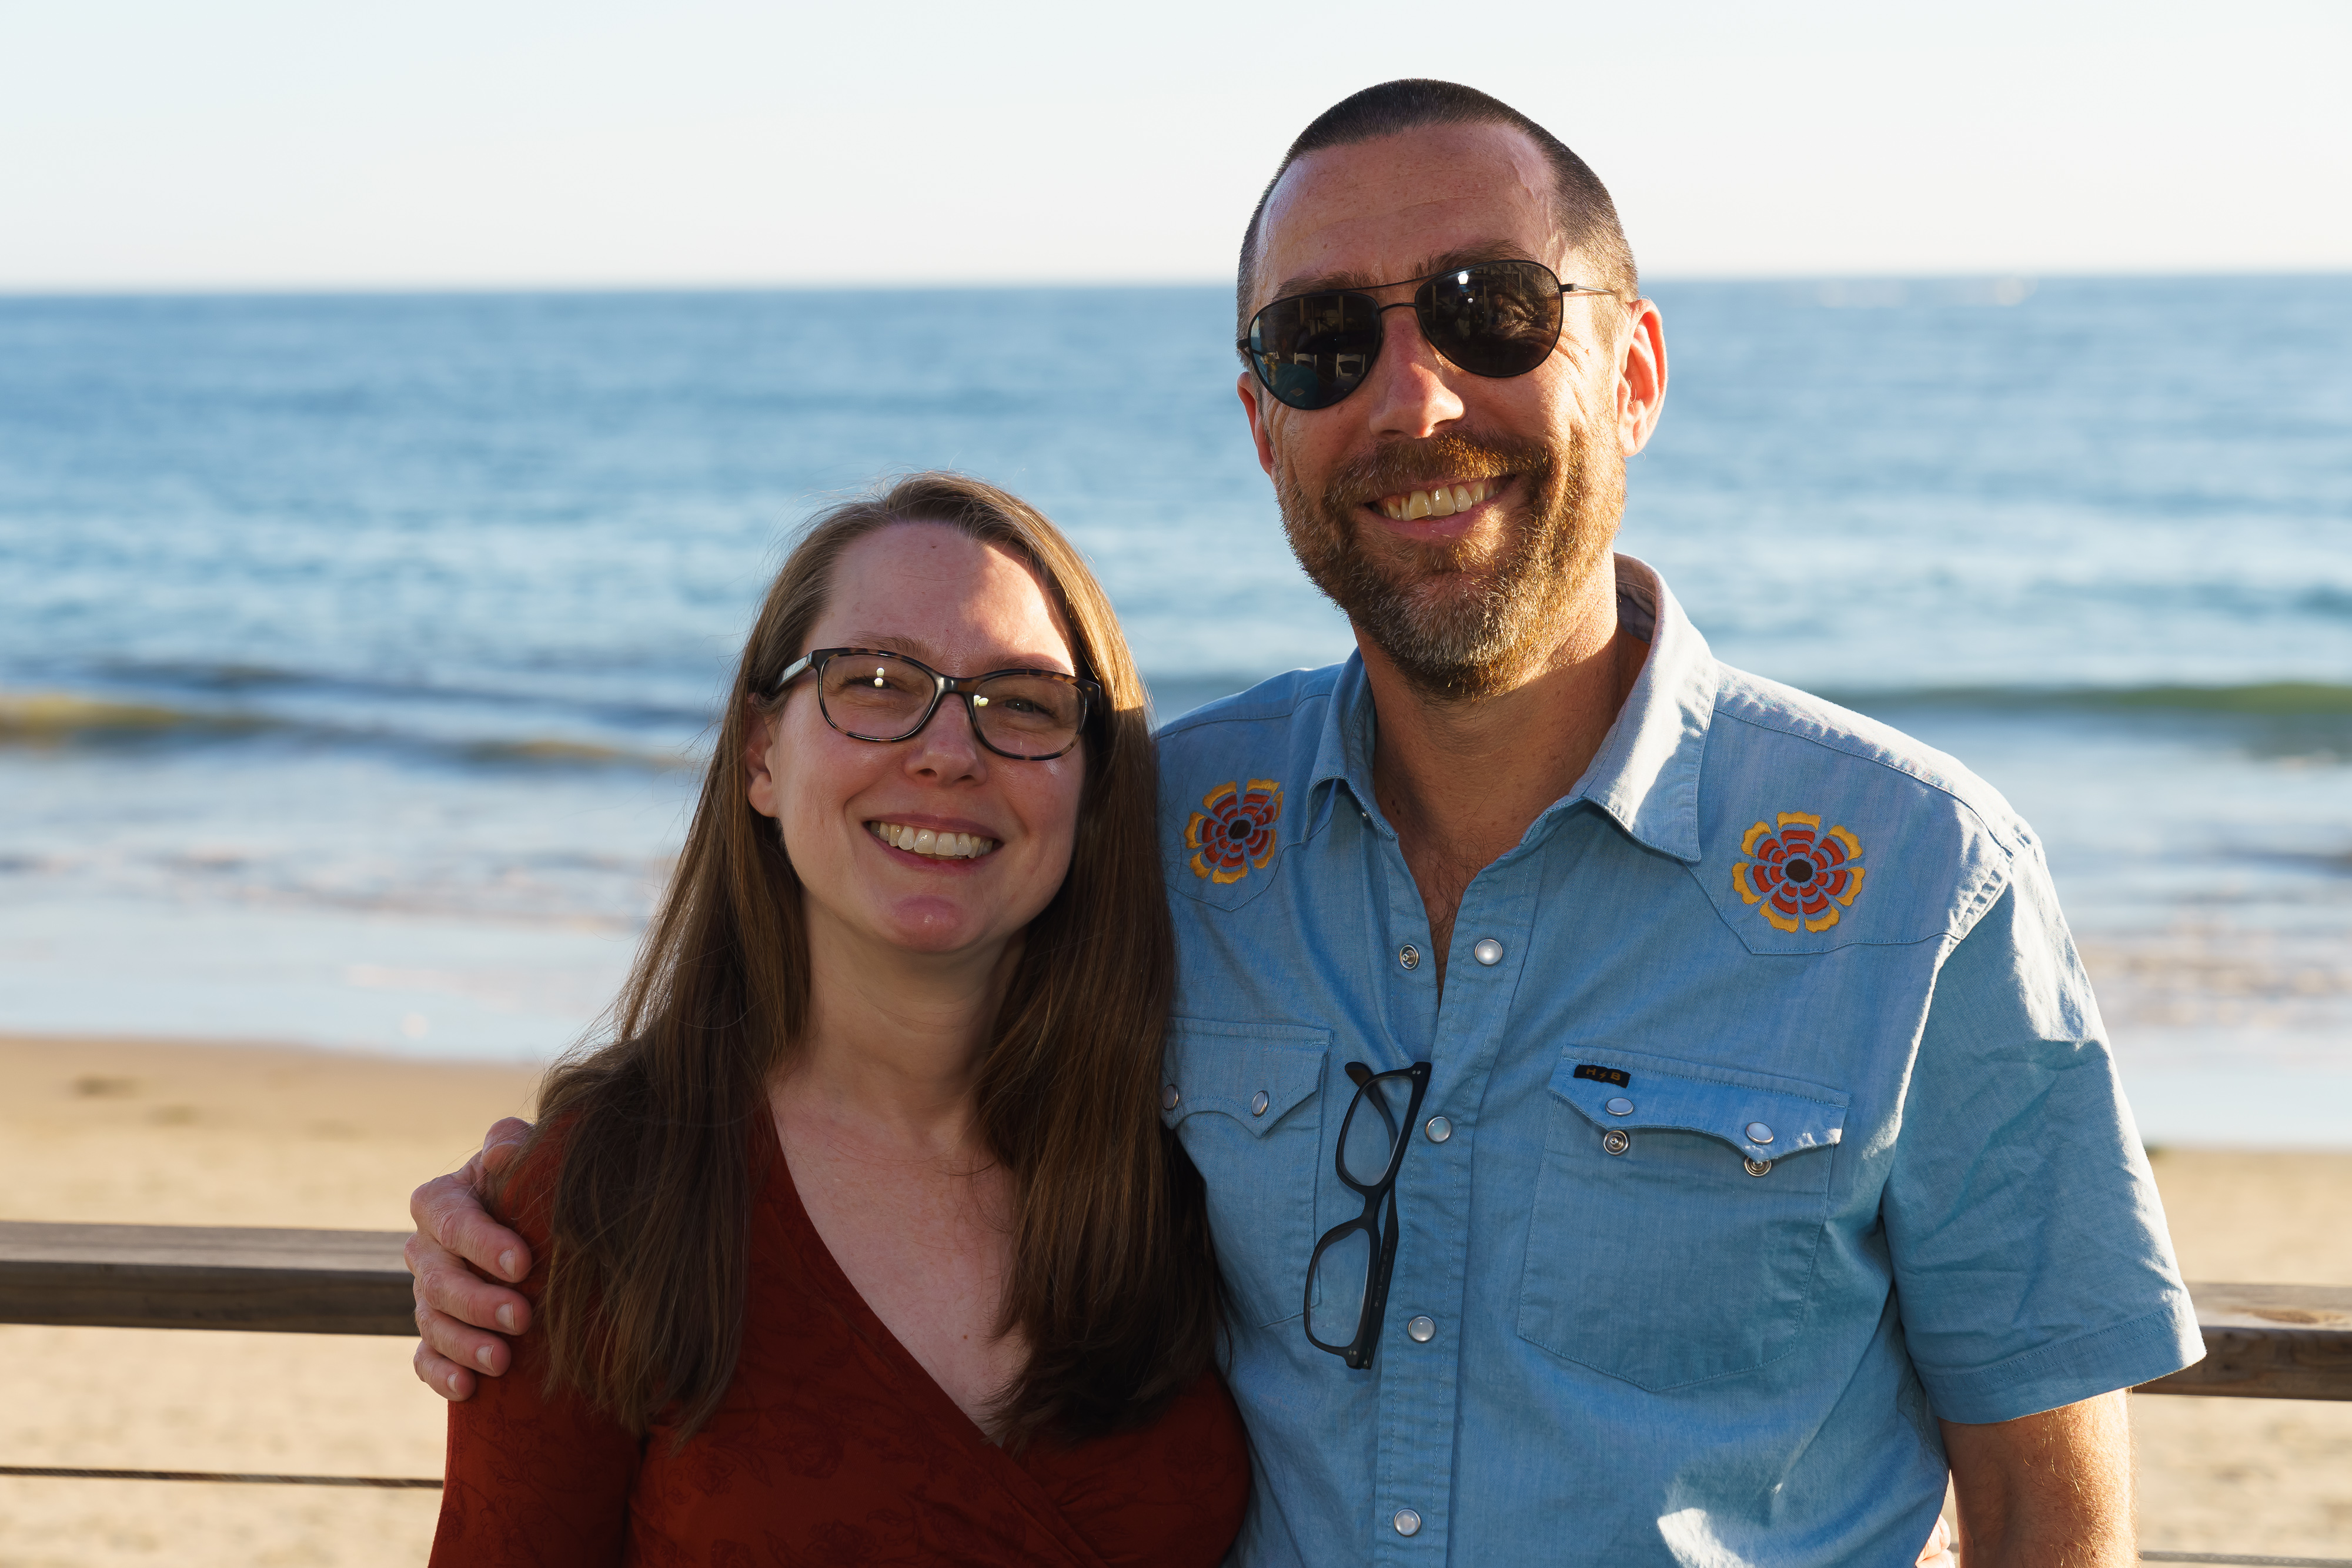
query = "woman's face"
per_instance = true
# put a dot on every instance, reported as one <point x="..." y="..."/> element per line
<point x="963" y="608"/>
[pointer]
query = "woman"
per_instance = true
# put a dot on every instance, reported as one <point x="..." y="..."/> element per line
<point x="862" y="1242"/>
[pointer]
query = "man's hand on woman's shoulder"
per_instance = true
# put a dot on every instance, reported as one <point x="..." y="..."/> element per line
<point x="454" y="1238"/>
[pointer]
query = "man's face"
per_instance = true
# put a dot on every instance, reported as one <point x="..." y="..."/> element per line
<point x="1464" y="603"/>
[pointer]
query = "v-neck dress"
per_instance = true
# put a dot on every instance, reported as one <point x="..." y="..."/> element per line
<point x="832" y="1446"/>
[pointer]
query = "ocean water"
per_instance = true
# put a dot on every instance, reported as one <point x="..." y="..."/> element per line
<point x="355" y="651"/>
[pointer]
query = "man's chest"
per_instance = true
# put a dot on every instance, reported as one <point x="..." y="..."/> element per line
<point x="1624" y="1097"/>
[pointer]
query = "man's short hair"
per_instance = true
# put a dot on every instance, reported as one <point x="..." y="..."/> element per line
<point x="1586" y="218"/>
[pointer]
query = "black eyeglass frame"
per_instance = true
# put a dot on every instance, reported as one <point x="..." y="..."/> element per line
<point x="1419" y="302"/>
<point x="1358" y="1351"/>
<point x="964" y="686"/>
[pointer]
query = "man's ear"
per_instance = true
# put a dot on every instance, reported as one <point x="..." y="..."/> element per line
<point x="1640" y="376"/>
<point x="759" y="743"/>
<point x="1257" y="410"/>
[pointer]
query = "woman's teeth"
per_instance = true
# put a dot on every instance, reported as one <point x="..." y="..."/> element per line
<point x="1439" y="501"/>
<point x="924" y="842"/>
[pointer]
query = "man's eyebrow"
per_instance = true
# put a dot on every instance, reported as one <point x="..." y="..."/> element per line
<point x="1428" y="266"/>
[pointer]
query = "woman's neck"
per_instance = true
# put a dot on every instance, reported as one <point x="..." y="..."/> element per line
<point x="893" y="1045"/>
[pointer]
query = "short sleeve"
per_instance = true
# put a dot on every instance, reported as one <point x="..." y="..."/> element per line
<point x="534" y="1477"/>
<point x="2032" y="1264"/>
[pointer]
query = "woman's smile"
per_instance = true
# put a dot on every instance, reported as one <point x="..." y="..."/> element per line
<point x="924" y="840"/>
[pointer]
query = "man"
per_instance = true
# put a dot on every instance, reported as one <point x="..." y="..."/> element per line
<point x="1705" y="1071"/>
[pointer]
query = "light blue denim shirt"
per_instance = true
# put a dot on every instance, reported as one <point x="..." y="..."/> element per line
<point x="1874" y="1165"/>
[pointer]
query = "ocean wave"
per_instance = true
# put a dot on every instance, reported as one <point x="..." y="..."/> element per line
<point x="269" y="680"/>
<point x="2262" y="699"/>
<point x="39" y="717"/>
<point x="55" y="719"/>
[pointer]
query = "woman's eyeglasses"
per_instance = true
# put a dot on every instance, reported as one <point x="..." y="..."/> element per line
<point x="1030" y="715"/>
<point x="1497" y="318"/>
<point x="1347" y="1276"/>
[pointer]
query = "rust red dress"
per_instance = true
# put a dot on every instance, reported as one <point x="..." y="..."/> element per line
<point x="833" y="1446"/>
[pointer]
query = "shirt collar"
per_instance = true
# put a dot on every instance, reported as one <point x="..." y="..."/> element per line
<point x="1646" y="775"/>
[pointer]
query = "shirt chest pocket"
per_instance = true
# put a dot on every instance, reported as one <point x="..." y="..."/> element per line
<point x="1245" y="1100"/>
<point x="1676" y="1216"/>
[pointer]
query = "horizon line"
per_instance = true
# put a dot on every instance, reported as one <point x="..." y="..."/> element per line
<point x="411" y="288"/>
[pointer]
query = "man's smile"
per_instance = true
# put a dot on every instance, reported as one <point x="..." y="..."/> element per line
<point x="1439" y="500"/>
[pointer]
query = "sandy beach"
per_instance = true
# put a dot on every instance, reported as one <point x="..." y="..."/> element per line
<point x="223" y="1135"/>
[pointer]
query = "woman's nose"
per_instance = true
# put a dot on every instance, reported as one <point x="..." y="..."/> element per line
<point x="949" y="747"/>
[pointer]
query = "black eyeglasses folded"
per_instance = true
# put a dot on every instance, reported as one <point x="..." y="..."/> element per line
<point x="1347" y="1276"/>
<point x="1495" y="318"/>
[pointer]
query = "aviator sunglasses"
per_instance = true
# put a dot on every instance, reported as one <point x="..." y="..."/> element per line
<point x="1497" y="318"/>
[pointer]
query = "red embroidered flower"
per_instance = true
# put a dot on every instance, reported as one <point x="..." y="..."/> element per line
<point x="1799" y="874"/>
<point x="1234" y="830"/>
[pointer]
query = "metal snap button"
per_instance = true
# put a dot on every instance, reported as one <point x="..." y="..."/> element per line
<point x="1407" y="1522"/>
<point x="1758" y="1132"/>
<point x="1259" y="1104"/>
<point x="1408" y="957"/>
<point x="1758" y="1168"/>
<point x="1438" y="1128"/>
<point x="1620" y="1107"/>
<point x="1168" y="1098"/>
<point x="1420" y="1331"/>
<point x="1488" y="951"/>
<point x="1616" y="1140"/>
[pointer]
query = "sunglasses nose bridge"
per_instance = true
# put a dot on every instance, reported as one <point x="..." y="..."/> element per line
<point x="1404" y="359"/>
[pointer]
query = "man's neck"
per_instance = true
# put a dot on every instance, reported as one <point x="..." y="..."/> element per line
<point x="1461" y="780"/>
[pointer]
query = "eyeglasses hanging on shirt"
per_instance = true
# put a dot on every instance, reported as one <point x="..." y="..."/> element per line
<point x="1347" y="1275"/>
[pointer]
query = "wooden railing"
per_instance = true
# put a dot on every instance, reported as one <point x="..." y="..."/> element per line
<point x="204" y="1277"/>
<point x="2267" y="1342"/>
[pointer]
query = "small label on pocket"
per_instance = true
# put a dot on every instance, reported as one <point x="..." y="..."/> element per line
<point x="1617" y="1075"/>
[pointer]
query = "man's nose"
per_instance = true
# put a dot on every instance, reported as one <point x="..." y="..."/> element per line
<point x="1411" y="387"/>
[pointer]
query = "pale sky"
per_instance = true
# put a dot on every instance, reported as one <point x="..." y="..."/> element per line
<point x="313" y="143"/>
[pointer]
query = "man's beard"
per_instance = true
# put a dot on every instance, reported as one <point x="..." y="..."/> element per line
<point x="1461" y="621"/>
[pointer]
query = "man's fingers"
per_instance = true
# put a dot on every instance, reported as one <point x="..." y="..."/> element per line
<point x="443" y="1284"/>
<point x="502" y="1143"/>
<point x="442" y="1376"/>
<point x="450" y="1213"/>
<point x="466" y="1348"/>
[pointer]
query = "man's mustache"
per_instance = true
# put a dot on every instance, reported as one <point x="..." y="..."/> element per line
<point x="1403" y="464"/>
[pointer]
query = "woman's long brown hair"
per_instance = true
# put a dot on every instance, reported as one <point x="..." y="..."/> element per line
<point x="1112" y="1280"/>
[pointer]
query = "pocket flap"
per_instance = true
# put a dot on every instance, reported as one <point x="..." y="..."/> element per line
<point x="1255" y="1073"/>
<point x="1764" y="1117"/>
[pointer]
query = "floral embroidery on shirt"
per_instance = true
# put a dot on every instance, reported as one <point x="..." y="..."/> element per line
<point x="1797" y="873"/>
<point x="1234" y="830"/>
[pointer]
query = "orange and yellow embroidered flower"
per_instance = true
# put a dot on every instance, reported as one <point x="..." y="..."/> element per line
<point x="1799" y="874"/>
<point x="1234" y="830"/>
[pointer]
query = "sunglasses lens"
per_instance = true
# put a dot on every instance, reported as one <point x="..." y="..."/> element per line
<point x="1495" y="318"/>
<point x="1313" y="349"/>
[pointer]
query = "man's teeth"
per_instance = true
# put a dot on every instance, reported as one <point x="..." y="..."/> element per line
<point x="1438" y="501"/>
<point x="924" y="842"/>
